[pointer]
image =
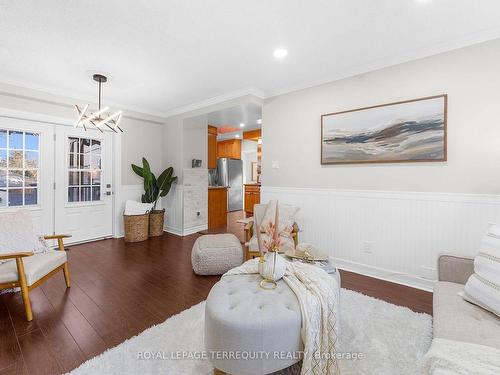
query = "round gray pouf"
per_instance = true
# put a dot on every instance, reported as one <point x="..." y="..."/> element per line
<point x="215" y="254"/>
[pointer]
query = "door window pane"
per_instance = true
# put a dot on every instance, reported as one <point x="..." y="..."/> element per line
<point x="15" y="197"/>
<point x="85" y="178"/>
<point x="73" y="161"/>
<point x="3" y="158"/>
<point x="84" y="145"/>
<point x="73" y="194"/>
<point x="74" y="178"/>
<point x="19" y="167"/>
<point x="96" y="193"/>
<point x="73" y="144"/>
<point x="15" y="178"/>
<point x="96" y="147"/>
<point x="3" y="138"/>
<point x="31" y="159"/>
<point x="84" y="170"/>
<point x="96" y="178"/>
<point x="16" y="159"/>
<point x="30" y="196"/>
<point x="85" y="194"/>
<point x="96" y="162"/>
<point x="3" y="197"/>
<point x="15" y="140"/>
<point x="31" y="141"/>
<point x="31" y="178"/>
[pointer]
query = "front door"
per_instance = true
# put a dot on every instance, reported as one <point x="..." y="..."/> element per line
<point x="83" y="178"/>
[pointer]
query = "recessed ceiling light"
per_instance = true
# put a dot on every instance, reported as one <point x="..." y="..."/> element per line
<point x="280" y="53"/>
<point x="259" y="121"/>
<point x="237" y="136"/>
<point x="242" y="125"/>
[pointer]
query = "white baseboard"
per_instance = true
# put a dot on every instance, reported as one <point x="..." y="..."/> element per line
<point x="384" y="274"/>
<point x="185" y="232"/>
<point x="196" y="229"/>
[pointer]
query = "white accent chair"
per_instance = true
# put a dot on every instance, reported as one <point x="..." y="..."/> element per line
<point x="24" y="262"/>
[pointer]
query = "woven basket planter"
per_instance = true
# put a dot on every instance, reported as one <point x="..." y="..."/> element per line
<point x="156" y="223"/>
<point x="136" y="227"/>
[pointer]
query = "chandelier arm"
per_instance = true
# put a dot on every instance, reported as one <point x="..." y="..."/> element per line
<point x="93" y="123"/>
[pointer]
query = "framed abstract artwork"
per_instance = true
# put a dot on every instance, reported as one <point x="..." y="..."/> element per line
<point x="400" y="132"/>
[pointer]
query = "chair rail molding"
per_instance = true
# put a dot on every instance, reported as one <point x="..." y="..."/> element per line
<point x="391" y="235"/>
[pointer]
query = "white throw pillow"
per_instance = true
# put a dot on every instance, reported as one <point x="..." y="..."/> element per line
<point x="136" y="208"/>
<point x="17" y="235"/>
<point x="483" y="287"/>
<point x="286" y="218"/>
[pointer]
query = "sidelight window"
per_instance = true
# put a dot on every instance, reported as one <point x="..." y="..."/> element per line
<point x="19" y="168"/>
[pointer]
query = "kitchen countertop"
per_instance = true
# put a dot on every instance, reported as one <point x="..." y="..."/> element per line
<point x="252" y="184"/>
<point x="217" y="187"/>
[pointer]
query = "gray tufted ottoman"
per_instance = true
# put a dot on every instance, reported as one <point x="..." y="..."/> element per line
<point x="241" y="317"/>
<point x="215" y="254"/>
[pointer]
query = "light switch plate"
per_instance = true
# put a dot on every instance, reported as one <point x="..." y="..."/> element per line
<point x="276" y="164"/>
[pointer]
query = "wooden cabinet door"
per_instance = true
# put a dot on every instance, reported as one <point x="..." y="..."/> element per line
<point x="212" y="151"/>
<point x="230" y="148"/>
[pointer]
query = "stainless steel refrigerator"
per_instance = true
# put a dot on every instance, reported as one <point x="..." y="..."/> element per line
<point x="230" y="174"/>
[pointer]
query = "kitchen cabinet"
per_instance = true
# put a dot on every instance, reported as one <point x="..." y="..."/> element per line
<point x="230" y="148"/>
<point x="252" y="197"/>
<point x="212" y="147"/>
<point x="217" y="207"/>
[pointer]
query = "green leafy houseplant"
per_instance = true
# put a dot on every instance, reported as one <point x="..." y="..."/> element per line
<point x="154" y="188"/>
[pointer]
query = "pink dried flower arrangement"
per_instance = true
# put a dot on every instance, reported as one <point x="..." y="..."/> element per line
<point x="275" y="241"/>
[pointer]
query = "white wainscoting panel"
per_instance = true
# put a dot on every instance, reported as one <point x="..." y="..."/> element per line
<point x="173" y="204"/>
<point x="395" y="236"/>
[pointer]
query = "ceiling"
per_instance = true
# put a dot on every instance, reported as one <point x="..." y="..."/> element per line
<point x="247" y="114"/>
<point x="228" y="120"/>
<point x="167" y="56"/>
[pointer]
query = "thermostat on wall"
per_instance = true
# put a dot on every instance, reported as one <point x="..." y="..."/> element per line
<point x="196" y="163"/>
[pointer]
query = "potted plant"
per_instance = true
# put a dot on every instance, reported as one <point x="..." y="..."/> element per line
<point x="154" y="188"/>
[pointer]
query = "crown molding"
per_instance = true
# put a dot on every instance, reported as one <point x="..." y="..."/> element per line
<point x="217" y="100"/>
<point x="470" y="40"/>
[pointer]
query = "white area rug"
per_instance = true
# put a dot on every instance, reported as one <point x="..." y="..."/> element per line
<point x="392" y="338"/>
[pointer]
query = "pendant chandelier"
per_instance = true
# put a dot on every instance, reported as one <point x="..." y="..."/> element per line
<point x="100" y="118"/>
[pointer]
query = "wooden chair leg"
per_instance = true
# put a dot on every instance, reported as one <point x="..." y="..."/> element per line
<point x="24" y="289"/>
<point x="66" y="275"/>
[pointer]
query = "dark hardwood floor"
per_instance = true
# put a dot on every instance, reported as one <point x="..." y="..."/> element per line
<point x="120" y="289"/>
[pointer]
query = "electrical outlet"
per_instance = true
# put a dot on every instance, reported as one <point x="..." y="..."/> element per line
<point x="276" y="164"/>
<point x="428" y="272"/>
<point x="367" y="247"/>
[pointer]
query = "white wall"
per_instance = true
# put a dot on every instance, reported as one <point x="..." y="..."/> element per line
<point x="392" y="220"/>
<point x="195" y="140"/>
<point x="470" y="76"/>
<point x="248" y="156"/>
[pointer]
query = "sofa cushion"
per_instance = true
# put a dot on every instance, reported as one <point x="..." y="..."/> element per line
<point x="17" y="233"/>
<point x="483" y="287"/>
<point x="35" y="266"/>
<point x="456" y="319"/>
